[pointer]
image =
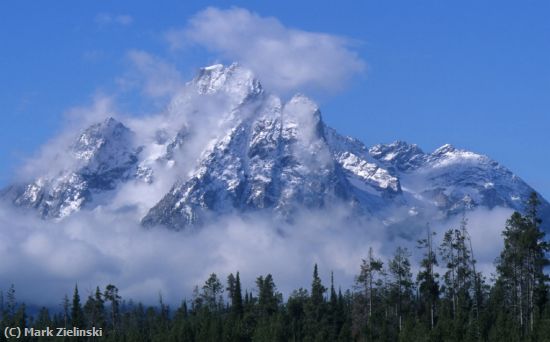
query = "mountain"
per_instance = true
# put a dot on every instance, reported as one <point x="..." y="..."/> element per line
<point x="235" y="148"/>
<point x="98" y="160"/>
<point x="453" y="179"/>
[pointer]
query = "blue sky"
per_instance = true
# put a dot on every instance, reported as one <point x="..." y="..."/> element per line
<point x="475" y="74"/>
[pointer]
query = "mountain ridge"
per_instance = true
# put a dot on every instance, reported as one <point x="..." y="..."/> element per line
<point x="267" y="154"/>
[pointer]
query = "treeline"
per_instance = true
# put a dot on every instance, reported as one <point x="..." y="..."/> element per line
<point x="387" y="303"/>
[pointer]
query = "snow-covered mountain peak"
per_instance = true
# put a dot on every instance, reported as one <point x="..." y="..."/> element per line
<point x="226" y="146"/>
<point x="399" y="154"/>
<point x="444" y="149"/>
<point x="301" y="99"/>
<point x="104" y="146"/>
<point x="395" y="150"/>
<point x="100" y="158"/>
<point x="234" y="80"/>
<point x="448" y="155"/>
<point x="95" y="137"/>
<point x="302" y="119"/>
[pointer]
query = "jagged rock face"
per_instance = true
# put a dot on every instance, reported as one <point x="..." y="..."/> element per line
<point x="398" y="156"/>
<point x="234" y="80"/>
<point x="263" y="154"/>
<point x="106" y="154"/>
<point x="451" y="178"/>
<point x="277" y="159"/>
<point x="100" y="158"/>
<point x="354" y="158"/>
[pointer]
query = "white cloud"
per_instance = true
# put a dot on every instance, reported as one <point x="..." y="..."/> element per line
<point x="104" y="19"/>
<point x="52" y="158"/>
<point x="101" y="247"/>
<point x="106" y="246"/>
<point x="284" y="58"/>
<point x="157" y="77"/>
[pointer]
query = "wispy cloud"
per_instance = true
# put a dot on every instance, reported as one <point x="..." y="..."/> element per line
<point x="51" y="159"/>
<point x="284" y="58"/>
<point x="155" y="76"/>
<point x="104" y="19"/>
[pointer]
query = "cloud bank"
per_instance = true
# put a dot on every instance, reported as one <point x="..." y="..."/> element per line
<point x="285" y="59"/>
<point x="109" y="246"/>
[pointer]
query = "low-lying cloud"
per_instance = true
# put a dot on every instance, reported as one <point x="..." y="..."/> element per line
<point x="104" y="246"/>
<point x="285" y="59"/>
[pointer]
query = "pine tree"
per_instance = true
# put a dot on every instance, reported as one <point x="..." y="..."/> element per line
<point x="448" y="252"/>
<point x="65" y="305"/>
<point x="238" y="298"/>
<point x="315" y="319"/>
<point x="20" y="317"/>
<point x="296" y="308"/>
<point x="402" y="283"/>
<point x="11" y="303"/>
<point x="235" y="294"/>
<point x="317" y="289"/>
<point x="43" y="319"/>
<point x="94" y="310"/>
<point x="111" y="295"/>
<point x="334" y="312"/>
<point x="77" y="315"/>
<point x="371" y="269"/>
<point x="268" y="297"/>
<point x="538" y="249"/>
<point x="459" y="281"/>
<point x="428" y="285"/>
<point x="8" y="309"/>
<point x="163" y="316"/>
<point x="197" y="302"/>
<point x="521" y="266"/>
<point x="212" y="293"/>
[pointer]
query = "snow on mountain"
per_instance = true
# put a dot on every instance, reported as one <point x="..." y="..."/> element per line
<point x="101" y="157"/>
<point x="452" y="179"/>
<point x="236" y="148"/>
<point x="398" y="156"/>
<point x="234" y="80"/>
<point x="275" y="156"/>
<point x="354" y="157"/>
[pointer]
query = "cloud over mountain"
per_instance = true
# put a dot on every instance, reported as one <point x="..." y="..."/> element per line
<point x="285" y="59"/>
<point x="227" y="150"/>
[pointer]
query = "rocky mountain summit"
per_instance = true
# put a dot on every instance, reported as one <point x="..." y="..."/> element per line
<point x="100" y="158"/>
<point x="241" y="149"/>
